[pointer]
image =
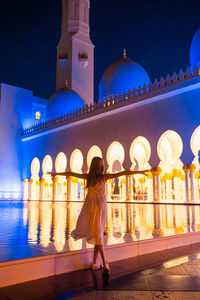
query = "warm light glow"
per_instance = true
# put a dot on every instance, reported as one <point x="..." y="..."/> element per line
<point x="140" y="152"/>
<point x="61" y="162"/>
<point x="94" y="151"/>
<point x="35" y="167"/>
<point x="170" y="147"/>
<point x="76" y="161"/>
<point x="115" y="153"/>
<point x="195" y="144"/>
<point x="47" y="164"/>
<point x="37" y="115"/>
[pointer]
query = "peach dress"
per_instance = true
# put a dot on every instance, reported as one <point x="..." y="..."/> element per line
<point x="92" y="218"/>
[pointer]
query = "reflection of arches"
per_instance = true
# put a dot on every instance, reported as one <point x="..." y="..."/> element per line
<point x="34" y="191"/>
<point x="115" y="152"/>
<point x="170" y="147"/>
<point x="140" y="152"/>
<point x="60" y="187"/>
<point x="195" y="144"/>
<point x="46" y="188"/>
<point x="76" y="164"/>
<point x="94" y="151"/>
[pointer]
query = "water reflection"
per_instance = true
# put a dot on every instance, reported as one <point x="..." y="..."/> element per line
<point x="50" y="223"/>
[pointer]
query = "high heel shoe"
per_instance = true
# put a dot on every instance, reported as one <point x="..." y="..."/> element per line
<point x="95" y="267"/>
<point x="106" y="269"/>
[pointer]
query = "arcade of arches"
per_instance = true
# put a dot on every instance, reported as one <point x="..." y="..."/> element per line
<point x="171" y="180"/>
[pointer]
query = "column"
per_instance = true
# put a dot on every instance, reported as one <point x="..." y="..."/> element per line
<point x="131" y="187"/>
<point x="108" y="189"/>
<point x="149" y="184"/>
<point x="196" y="185"/>
<point x="42" y="188"/>
<point x="192" y="170"/>
<point x="55" y="181"/>
<point x="127" y="188"/>
<point x="30" y="189"/>
<point x="186" y="169"/>
<point x="26" y="189"/>
<point x="156" y="183"/>
<point x="68" y="189"/>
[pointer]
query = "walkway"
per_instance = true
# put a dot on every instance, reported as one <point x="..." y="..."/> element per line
<point x="170" y="274"/>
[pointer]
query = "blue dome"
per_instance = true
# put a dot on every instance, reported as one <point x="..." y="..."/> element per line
<point x="121" y="76"/>
<point x="63" y="101"/>
<point x="195" y="50"/>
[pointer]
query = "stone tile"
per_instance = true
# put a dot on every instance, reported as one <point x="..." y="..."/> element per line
<point x="127" y="264"/>
<point x="125" y="295"/>
<point x="30" y="290"/>
<point x="193" y="270"/>
<point x="133" y="282"/>
<point x="180" y="270"/>
<point x="87" y="296"/>
<point x="176" y="295"/>
<point x="174" y="283"/>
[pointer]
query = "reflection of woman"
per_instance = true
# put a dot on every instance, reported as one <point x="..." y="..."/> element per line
<point x="92" y="218"/>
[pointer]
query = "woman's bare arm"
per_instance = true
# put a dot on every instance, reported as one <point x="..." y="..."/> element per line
<point x="68" y="174"/>
<point x="124" y="173"/>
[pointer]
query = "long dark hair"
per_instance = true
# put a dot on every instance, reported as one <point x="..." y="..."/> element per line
<point x="96" y="171"/>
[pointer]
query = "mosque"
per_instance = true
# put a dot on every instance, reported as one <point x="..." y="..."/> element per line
<point x="136" y="124"/>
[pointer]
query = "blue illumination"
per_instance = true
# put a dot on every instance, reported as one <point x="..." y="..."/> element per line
<point x="195" y="49"/>
<point x="121" y="76"/>
<point x="63" y="101"/>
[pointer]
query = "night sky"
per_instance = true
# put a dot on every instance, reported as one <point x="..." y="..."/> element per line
<point x="157" y="34"/>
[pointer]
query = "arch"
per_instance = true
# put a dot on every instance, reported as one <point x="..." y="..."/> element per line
<point x="115" y="152"/>
<point x="76" y="161"/>
<point x="140" y="152"/>
<point x="61" y="162"/>
<point x="195" y="144"/>
<point x="94" y="151"/>
<point x="47" y="164"/>
<point x="170" y="148"/>
<point x="35" y="167"/>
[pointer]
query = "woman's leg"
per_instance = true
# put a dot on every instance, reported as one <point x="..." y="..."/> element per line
<point x="101" y="250"/>
<point x="96" y="251"/>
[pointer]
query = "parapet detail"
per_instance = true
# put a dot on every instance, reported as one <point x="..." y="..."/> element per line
<point x="130" y="96"/>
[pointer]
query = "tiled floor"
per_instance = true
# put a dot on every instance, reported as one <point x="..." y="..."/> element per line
<point x="170" y="274"/>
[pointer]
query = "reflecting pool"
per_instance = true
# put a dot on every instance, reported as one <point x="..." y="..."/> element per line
<point x="44" y="227"/>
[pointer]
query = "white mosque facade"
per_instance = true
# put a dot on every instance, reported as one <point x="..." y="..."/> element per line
<point x="136" y="124"/>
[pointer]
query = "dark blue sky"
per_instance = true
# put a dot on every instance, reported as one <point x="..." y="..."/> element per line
<point x="156" y="33"/>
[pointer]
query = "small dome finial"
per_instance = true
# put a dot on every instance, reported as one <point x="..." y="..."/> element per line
<point x="124" y="54"/>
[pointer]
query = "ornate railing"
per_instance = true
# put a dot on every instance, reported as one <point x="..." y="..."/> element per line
<point x="116" y="99"/>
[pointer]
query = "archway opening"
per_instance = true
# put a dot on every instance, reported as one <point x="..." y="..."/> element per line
<point x="76" y="164"/>
<point x="169" y="148"/>
<point x="116" y="188"/>
<point x="94" y="151"/>
<point x="140" y="152"/>
<point x="46" y="181"/>
<point x="34" y="186"/>
<point x="195" y="147"/>
<point x="61" y="184"/>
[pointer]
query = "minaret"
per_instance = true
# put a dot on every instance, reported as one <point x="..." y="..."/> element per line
<point x="75" y="51"/>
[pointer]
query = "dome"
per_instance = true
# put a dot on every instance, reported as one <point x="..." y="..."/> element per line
<point x="63" y="101"/>
<point x="195" y="50"/>
<point x="121" y="76"/>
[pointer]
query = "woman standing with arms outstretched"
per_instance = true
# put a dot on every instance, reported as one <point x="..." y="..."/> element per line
<point x="92" y="218"/>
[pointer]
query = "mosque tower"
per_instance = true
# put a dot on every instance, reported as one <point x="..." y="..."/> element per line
<point x="75" y="51"/>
